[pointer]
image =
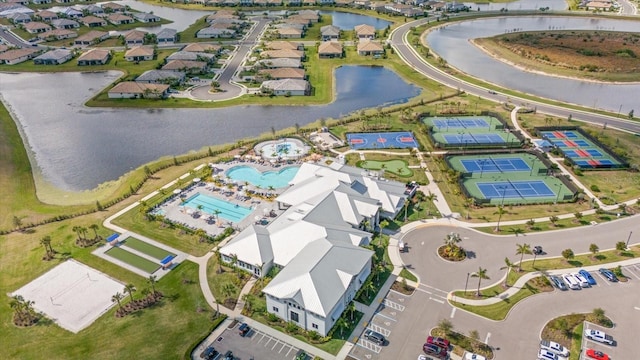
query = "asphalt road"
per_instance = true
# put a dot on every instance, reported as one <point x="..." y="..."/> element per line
<point x="408" y="54"/>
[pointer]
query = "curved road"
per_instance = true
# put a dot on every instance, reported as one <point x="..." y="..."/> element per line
<point x="402" y="47"/>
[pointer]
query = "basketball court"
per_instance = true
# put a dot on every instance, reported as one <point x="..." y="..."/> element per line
<point x="382" y="140"/>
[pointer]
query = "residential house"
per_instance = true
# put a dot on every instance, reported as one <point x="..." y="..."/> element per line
<point x="365" y="31"/>
<point x="40" y="2"/>
<point x="202" y="48"/>
<point x="136" y="90"/>
<point x="146" y="17"/>
<point x="46" y="15"/>
<point x="284" y="45"/>
<point x="294" y="2"/>
<point x="282" y="73"/>
<point x="167" y="36"/>
<point x="276" y="54"/>
<point x="190" y="67"/>
<point x="211" y="32"/>
<point x="274" y="2"/>
<point x="326" y="2"/>
<point x="599" y="6"/>
<point x="3" y="48"/>
<point x="330" y="50"/>
<point x="222" y="14"/>
<point x="286" y="87"/>
<point x="36" y="27"/>
<point x="91" y="38"/>
<point x="7" y="9"/>
<point x="344" y="3"/>
<point x="456" y="7"/>
<point x="192" y="56"/>
<point x="93" y="10"/>
<point x="161" y="77"/>
<point x="19" y="18"/>
<point x="329" y="33"/>
<point x="54" y="57"/>
<point x="112" y="7"/>
<point x="140" y="53"/>
<point x="19" y="2"/>
<point x="58" y="34"/>
<point x="377" y="6"/>
<point x="16" y="56"/>
<point x="120" y="19"/>
<point x="217" y="3"/>
<point x="277" y="63"/>
<point x="230" y="3"/>
<point x="289" y="33"/>
<point x="261" y="3"/>
<point x="134" y="37"/>
<point x="64" y="1"/>
<point x="246" y="2"/>
<point x="71" y="13"/>
<point x="94" y="57"/>
<point x="370" y="48"/>
<point x="65" y="24"/>
<point x="93" y="21"/>
<point x="361" y="4"/>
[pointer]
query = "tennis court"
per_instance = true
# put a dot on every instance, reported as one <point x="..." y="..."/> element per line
<point x="515" y="189"/>
<point x="473" y="138"/>
<point x="584" y="152"/>
<point x="382" y="140"/>
<point x="460" y="123"/>
<point x="495" y="165"/>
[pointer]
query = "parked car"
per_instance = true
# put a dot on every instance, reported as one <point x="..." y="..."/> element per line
<point x="558" y="282"/>
<point x="587" y="276"/>
<point x="244" y="329"/>
<point x="472" y="356"/>
<point x="434" y="350"/>
<point x="210" y="353"/>
<point x="581" y="280"/>
<point x="441" y="342"/>
<point x="547" y="355"/>
<point x="598" y="355"/>
<point x="608" y="274"/>
<point x="229" y="355"/>
<point x="301" y="355"/>
<point x="599" y="336"/>
<point x="571" y="281"/>
<point x="492" y="92"/>
<point x="374" y="337"/>
<point x="537" y="250"/>
<point x="555" y="348"/>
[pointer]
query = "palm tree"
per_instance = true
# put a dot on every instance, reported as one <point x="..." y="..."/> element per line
<point x="83" y="231"/>
<point x="508" y="265"/>
<point x="152" y="280"/>
<point x="95" y="228"/>
<point x="219" y="258"/>
<point x="130" y="289"/>
<point x="234" y="261"/>
<point x="368" y="286"/>
<point x="228" y="289"/>
<point x="432" y="198"/>
<point x="46" y="242"/>
<point x="468" y="204"/>
<point x="446" y="326"/>
<point x="76" y="229"/>
<point x="17" y="304"/>
<point x="352" y="309"/>
<point x="501" y="211"/>
<point x="521" y="250"/>
<point x="117" y="298"/>
<point x="480" y="274"/>
<point x="341" y="324"/>
<point x="201" y="234"/>
<point x="249" y="300"/>
<point x="452" y="240"/>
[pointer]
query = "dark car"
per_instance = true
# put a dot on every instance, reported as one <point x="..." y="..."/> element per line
<point x="244" y="329"/>
<point x="440" y="342"/>
<point x="301" y="355"/>
<point x="537" y="250"/>
<point x="374" y="337"/>
<point x="558" y="282"/>
<point x="434" y="350"/>
<point x="210" y="353"/>
<point x="608" y="274"/>
<point x="587" y="276"/>
<point x="229" y="355"/>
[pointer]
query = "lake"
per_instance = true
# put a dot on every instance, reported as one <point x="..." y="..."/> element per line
<point x="77" y="148"/>
<point x="347" y="21"/>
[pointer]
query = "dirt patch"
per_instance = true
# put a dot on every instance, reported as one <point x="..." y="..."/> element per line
<point x="403" y="288"/>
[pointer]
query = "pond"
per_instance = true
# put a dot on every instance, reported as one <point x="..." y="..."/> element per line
<point x="181" y="18"/>
<point x="347" y="21"/>
<point x="77" y="148"/>
<point x="452" y="43"/>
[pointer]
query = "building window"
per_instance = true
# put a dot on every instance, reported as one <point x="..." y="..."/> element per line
<point x="294" y="317"/>
<point x="315" y="326"/>
<point x="275" y="309"/>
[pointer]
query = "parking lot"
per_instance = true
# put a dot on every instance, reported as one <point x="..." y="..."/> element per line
<point x="590" y="344"/>
<point x="255" y="345"/>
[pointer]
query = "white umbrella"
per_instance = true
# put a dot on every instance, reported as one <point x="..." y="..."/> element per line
<point x="195" y="180"/>
<point x="236" y="156"/>
<point x="177" y="191"/>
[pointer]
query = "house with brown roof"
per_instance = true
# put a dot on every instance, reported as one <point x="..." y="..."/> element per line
<point x="277" y="54"/>
<point x="58" y="34"/>
<point x="140" y="53"/>
<point x="134" y="37"/>
<point x="93" y="21"/>
<point x="94" y="57"/>
<point x="282" y="73"/>
<point x="138" y="90"/>
<point x="3" y="48"/>
<point x="120" y="19"/>
<point x="36" y="27"/>
<point x="91" y="38"/>
<point x="365" y="31"/>
<point x="16" y="56"/>
<point x="289" y="33"/>
<point x="284" y="45"/>
<point x="190" y="67"/>
<point x="599" y="5"/>
<point x="330" y="50"/>
<point x="202" y="48"/>
<point x="221" y="14"/>
<point x="46" y="15"/>
<point x="370" y="48"/>
<point x="112" y="7"/>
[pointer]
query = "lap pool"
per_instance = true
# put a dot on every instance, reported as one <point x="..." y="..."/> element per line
<point x="265" y="180"/>
<point x="217" y="207"/>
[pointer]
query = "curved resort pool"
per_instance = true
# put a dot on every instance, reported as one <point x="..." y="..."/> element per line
<point x="216" y="207"/>
<point x="276" y="179"/>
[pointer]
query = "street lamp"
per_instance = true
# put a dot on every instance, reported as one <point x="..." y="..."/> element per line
<point x="558" y="196"/>
<point x="466" y="283"/>
<point x="629" y="238"/>
<point x="504" y="192"/>
<point x="532" y="166"/>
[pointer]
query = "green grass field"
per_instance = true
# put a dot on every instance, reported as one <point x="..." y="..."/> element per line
<point x="146" y="248"/>
<point x="133" y="259"/>
<point x="398" y="167"/>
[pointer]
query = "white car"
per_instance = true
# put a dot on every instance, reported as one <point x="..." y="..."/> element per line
<point x="599" y="336"/>
<point x="554" y="347"/>
<point x="547" y="355"/>
<point x="472" y="356"/>
<point x="581" y="280"/>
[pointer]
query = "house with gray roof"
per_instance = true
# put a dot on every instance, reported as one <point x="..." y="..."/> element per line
<point x="278" y="63"/>
<point x="54" y="57"/>
<point x="212" y="32"/>
<point x="146" y="17"/>
<point x="286" y="87"/>
<point x="65" y="24"/>
<point x="167" y="36"/>
<point x="19" y="18"/>
<point x="330" y="32"/>
<point x="192" y="56"/>
<point x="161" y="77"/>
<point x="71" y="13"/>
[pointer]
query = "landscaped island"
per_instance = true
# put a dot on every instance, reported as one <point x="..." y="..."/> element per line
<point x="594" y="55"/>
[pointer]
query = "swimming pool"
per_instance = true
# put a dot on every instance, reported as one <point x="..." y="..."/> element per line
<point x="228" y="211"/>
<point x="276" y="179"/>
<point x="282" y="149"/>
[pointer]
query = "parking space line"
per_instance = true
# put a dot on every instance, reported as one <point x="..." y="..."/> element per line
<point x="433" y="288"/>
<point x="633" y="273"/>
<point x="393" y="305"/>
<point x="261" y="337"/>
<point x="386" y="317"/>
<point x="290" y="349"/>
<point x="430" y="293"/>
<point x="369" y="346"/>
<point x="268" y="341"/>
<point x="379" y="329"/>
<point x="604" y="279"/>
<point x="276" y="344"/>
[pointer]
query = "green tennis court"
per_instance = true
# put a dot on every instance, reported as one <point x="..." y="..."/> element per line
<point x="133" y="260"/>
<point x="146" y="248"/>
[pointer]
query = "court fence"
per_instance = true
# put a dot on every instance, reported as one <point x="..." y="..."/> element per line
<point x="622" y="163"/>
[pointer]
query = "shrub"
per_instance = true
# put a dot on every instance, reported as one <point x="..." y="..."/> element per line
<point x="595" y="188"/>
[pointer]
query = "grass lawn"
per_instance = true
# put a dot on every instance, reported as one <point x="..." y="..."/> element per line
<point x="397" y="167"/>
<point x="188" y="35"/>
<point x="600" y="258"/>
<point x="218" y="280"/>
<point x="133" y="259"/>
<point x="408" y="275"/>
<point x="146" y="248"/>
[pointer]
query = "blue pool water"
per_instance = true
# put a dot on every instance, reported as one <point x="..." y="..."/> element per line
<point x="276" y="179"/>
<point x="228" y="211"/>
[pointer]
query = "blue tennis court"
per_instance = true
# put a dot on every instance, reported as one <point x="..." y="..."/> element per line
<point x="514" y="189"/>
<point x="473" y="138"/>
<point x="495" y="165"/>
<point x="400" y="139"/>
<point x="455" y="123"/>
<point x="559" y="134"/>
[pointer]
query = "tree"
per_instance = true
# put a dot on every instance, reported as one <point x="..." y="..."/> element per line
<point x="593" y="248"/>
<point x="480" y="274"/>
<point x="474" y="334"/>
<point x="432" y="198"/>
<point x="249" y="301"/>
<point x="598" y="313"/>
<point x="152" y="280"/>
<point x="446" y="326"/>
<point x="117" y="298"/>
<point x="228" y="289"/>
<point x="451" y="241"/>
<point x="352" y="309"/>
<point x="95" y="228"/>
<point x="578" y="215"/>
<point x="522" y="249"/>
<point x="46" y="242"/>
<point x="219" y="258"/>
<point x="368" y="287"/>
<point x="508" y="265"/>
<point x="631" y="114"/>
<point x="234" y="261"/>
<point x="469" y="202"/>
<point x="501" y="211"/>
<point x="130" y="289"/>
<point x="621" y="246"/>
<point x="568" y="254"/>
<point x="17" y="222"/>
<point x="553" y="219"/>
<point x="530" y="224"/>
<point x="201" y="234"/>
<point x="341" y="324"/>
